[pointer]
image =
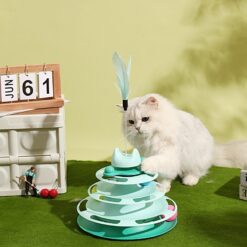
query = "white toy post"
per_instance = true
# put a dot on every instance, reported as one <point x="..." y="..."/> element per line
<point x="243" y="185"/>
<point x="31" y="127"/>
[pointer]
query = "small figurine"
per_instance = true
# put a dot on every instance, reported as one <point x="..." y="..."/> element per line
<point x="30" y="176"/>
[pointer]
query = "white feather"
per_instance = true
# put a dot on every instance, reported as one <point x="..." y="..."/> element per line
<point x="122" y="75"/>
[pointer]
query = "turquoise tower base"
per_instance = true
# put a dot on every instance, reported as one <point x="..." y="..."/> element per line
<point x="125" y="233"/>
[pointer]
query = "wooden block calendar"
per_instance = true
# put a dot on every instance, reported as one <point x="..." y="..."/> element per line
<point x="31" y="127"/>
<point x="34" y="87"/>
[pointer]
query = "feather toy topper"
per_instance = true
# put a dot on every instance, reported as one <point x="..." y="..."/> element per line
<point x="123" y="75"/>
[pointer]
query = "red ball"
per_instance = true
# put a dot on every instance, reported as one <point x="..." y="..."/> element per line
<point x="44" y="193"/>
<point x="53" y="193"/>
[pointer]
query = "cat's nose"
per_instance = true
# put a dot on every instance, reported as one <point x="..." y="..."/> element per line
<point x="137" y="128"/>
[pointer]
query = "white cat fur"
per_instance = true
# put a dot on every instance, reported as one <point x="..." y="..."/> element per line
<point x="175" y="143"/>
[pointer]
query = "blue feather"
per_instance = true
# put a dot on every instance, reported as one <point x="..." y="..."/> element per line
<point x="123" y="75"/>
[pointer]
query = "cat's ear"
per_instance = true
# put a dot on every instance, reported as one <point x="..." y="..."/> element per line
<point x="152" y="101"/>
<point x="120" y="107"/>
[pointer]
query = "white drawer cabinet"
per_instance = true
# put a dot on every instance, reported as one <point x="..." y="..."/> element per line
<point x="32" y="140"/>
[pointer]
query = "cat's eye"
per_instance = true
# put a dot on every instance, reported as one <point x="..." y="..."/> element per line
<point x="131" y="121"/>
<point x="145" y="119"/>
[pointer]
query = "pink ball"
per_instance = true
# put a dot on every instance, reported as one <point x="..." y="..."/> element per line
<point x="44" y="193"/>
<point x="172" y="208"/>
<point x="53" y="193"/>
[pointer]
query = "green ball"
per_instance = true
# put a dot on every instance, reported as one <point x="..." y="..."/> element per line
<point x="109" y="169"/>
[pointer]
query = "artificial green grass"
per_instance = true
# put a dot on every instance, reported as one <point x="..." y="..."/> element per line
<point x="210" y="214"/>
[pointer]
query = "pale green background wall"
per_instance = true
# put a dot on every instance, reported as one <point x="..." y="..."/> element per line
<point x="193" y="52"/>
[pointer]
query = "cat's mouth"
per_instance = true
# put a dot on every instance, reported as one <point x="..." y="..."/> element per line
<point x="140" y="133"/>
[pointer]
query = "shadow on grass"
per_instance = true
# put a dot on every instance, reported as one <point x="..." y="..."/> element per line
<point x="228" y="228"/>
<point x="65" y="210"/>
<point x="83" y="172"/>
<point x="230" y="189"/>
<point x="79" y="172"/>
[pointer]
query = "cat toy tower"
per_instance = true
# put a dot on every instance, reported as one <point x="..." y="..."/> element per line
<point x="125" y="204"/>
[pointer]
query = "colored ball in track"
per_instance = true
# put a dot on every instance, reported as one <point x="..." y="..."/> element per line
<point x="44" y="193"/>
<point x="172" y="208"/>
<point x="53" y="193"/>
<point x="109" y="169"/>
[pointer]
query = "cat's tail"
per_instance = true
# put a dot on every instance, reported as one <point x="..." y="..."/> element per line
<point x="232" y="154"/>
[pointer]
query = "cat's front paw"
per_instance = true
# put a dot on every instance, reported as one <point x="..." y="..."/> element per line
<point x="190" y="180"/>
<point x="164" y="187"/>
<point x="149" y="166"/>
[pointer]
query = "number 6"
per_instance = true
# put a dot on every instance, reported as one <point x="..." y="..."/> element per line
<point x="27" y="89"/>
<point x="27" y="86"/>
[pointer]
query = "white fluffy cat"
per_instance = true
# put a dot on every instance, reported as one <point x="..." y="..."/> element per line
<point x="175" y="143"/>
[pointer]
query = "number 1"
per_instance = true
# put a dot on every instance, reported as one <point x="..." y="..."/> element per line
<point x="45" y="84"/>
